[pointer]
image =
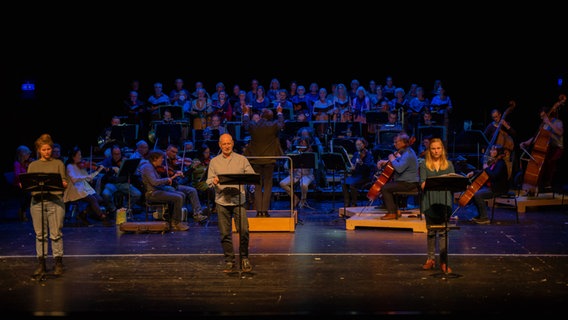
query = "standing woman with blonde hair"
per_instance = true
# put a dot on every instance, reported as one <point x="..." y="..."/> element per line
<point x="436" y="204"/>
<point x="50" y="221"/>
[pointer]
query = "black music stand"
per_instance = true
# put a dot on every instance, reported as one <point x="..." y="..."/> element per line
<point x="128" y="169"/>
<point x="176" y="111"/>
<point x="167" y="133"/>
<point x="42" y="183"/>
<point x="333" y="161"/>
<point x="304" y="160"/>
<point x="377" y="117"/>
<point x="450" y="183"/>
<point x="126" y="134"/>
<point x="239" y="179"/>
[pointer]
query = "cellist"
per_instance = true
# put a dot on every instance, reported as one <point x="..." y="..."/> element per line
<point x="498" y="182"/>
<point x="405" y="176"/>
<point x="555" y="126"/>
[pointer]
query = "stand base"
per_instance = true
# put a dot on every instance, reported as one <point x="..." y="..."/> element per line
<point x="443" y="275"/>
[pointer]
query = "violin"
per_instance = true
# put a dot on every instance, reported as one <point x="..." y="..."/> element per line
<point x="83" y="164"/>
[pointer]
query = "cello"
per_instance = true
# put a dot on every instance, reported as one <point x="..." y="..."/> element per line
<point x="538" y="153"/>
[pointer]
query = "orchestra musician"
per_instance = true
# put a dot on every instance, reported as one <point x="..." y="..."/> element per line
<point x="555" y="127"/>
<point x="362" y="166"/>
<point x="405" y="175"/>
<point x="498" y="182"/>
<point x="179" y="170"/>
<point x="504" y="137"/>
<point x="303" y="175"/>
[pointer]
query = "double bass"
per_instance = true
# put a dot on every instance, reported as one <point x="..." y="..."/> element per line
<point x="540" y="144"/>
<point x="499" y="137"/>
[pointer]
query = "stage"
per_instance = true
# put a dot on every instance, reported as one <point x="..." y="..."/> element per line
<point x="321" y="269"/>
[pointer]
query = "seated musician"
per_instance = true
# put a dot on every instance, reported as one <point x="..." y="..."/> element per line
<point x="179" y="169"/>
<point x="303" y="175"/>
<point x="405" y="174"/>
<point x="555" y="127"/>
<point x="362" y="169"/>
<point x="498" y="182"/>
<point x="159" y="189"/>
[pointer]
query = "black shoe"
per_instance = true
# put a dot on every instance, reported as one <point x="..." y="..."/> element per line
<point x="82" y="217"/>
<point x="107" y="222"/>
<point x="266" y="214"/>
<point x="245" y="265"/>
<point x="259" y="214"/>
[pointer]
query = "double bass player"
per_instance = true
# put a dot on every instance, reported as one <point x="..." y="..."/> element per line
<point x="555" y="148"/>
<point x="502" y="133"/>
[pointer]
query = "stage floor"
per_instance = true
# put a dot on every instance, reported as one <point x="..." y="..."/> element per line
<point x="319" y="269"/>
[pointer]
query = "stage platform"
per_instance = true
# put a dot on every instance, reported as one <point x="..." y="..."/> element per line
<point x="542" y="199"/>
<point x="371" y="218"/>
<point x="279" y="220"/>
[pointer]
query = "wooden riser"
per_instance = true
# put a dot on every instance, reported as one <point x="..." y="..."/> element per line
<point x="543" y="199"/>
<point x="279" y="220"/>
<point x="370" y="217"/>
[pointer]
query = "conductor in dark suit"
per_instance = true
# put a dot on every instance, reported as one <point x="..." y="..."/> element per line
<point x="264" y="141"/>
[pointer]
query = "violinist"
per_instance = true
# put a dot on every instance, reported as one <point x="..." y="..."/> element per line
<point x="80" y="188"/>
<point x="180" y="171"/>
<point x="111" y="183"/>
<point x="498" y="182"/>
<point x="503" y="138"/>
<point x="405" y="175"/>
<point x="555" y="127"/>
<point x="362" y="166"/>
<point x="159" y="189"/>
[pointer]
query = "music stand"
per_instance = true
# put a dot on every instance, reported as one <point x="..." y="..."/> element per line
<point x="450" y="183"/>
<point x="333" y="161"/>
<point x="167" y="133"/>
<point x="127" y="169"/>
<point x="176" y="111"/>
<point x="377" y="117"/>
<point x="239" y="179"/>
<point x="41" y="182"/>
<point x="125" y="134"/>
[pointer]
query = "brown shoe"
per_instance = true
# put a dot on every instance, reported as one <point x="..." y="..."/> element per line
<point x="389" y="216"/>
<point x="430" y="264"/>
<point x="445" y="268"/>
<point x="179" y="226"/>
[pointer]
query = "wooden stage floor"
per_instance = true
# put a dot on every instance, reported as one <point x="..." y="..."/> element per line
<point x="319" y="269"/>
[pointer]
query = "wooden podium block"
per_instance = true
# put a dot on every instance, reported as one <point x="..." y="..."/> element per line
<point x="279" y="220"/>
<point x="370" y="217"/>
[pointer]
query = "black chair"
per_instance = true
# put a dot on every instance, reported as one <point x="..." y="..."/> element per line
<point x="509" y="199"/>
<point x="417" y="193"/>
